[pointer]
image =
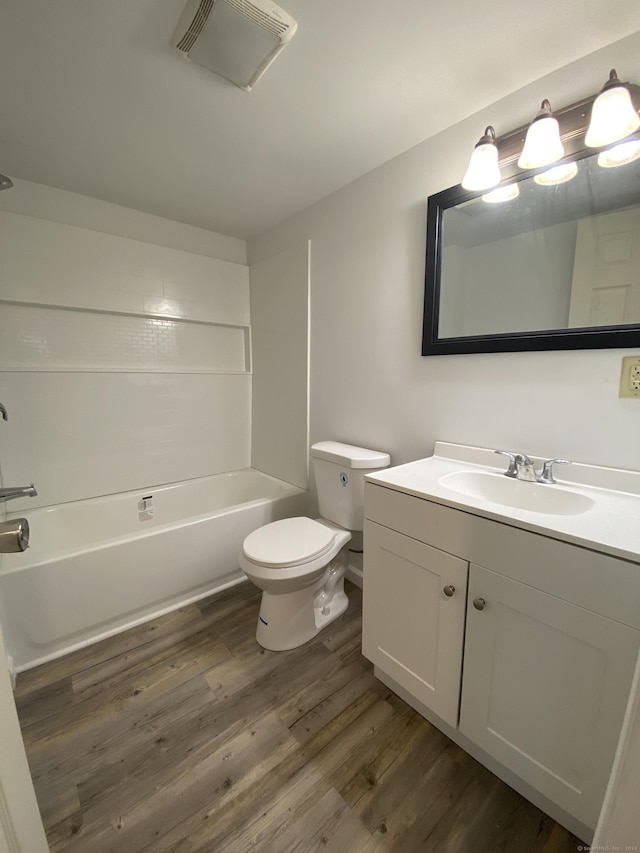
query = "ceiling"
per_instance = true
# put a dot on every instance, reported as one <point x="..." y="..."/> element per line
<point x="94" y="99"/>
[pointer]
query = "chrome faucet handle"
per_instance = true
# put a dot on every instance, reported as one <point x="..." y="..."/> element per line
<point x="3" y="412"/>
<point x="546" y="475"/>
<point x="514" y="461"/>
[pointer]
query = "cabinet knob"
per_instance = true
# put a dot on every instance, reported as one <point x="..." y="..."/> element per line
<point x="479" y="603"/>
<point x="449" y="590"/>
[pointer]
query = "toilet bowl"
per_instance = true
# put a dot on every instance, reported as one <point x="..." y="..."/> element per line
<point x="300" y="563"/>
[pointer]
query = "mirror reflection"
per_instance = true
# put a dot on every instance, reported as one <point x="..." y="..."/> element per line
<point x="538" y="255"/>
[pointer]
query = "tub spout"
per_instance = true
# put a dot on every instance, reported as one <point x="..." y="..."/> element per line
<point x="13" y="492"/>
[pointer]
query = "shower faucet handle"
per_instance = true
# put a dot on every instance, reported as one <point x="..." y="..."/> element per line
<point x="3" y="412"/>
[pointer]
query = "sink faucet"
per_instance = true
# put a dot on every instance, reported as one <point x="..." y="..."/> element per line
<point x="18" y="492"/>
<point x="522" y="468"/>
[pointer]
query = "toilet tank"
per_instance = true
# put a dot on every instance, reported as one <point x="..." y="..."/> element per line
<point x="339" y="471"/>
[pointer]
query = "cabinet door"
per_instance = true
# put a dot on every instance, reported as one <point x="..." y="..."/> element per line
<point x="545" y="688"/>
<point x="412" y="630"/>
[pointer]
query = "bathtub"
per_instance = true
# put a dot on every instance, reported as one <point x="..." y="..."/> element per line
<point x="100" y="566"/>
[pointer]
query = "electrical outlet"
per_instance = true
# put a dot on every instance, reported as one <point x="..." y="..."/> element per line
<point x="630" y="377"/>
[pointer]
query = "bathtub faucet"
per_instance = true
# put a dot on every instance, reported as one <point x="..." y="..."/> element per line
<point x="18" y="492"/>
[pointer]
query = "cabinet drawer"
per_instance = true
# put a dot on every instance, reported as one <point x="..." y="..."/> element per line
<point x="418" y="518"/>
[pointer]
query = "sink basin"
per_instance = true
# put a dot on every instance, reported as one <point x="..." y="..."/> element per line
<point x="517" y="494"/>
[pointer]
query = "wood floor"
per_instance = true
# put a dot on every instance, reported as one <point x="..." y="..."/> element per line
<point x="184" y="735"/>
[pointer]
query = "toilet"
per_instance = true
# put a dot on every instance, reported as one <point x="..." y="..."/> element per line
<point x="300" y="563"/>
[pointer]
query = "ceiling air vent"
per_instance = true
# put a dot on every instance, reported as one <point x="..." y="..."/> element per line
<point x="238" y="39"/>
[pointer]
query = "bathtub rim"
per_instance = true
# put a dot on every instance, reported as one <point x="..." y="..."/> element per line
<point x="158" y="487"/>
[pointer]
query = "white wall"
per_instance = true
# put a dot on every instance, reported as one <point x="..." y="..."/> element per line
<point x="369" y="383"/>
<point x="75" y="209"/>
<point x="280" y="332"/>
<point x="124" y="360"/>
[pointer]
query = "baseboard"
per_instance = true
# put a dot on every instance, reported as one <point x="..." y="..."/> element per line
<point x="12" y="671"/>
<point x="354" y="575"/>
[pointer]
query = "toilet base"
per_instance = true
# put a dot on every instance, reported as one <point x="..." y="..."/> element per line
<point x="291" y="619"/>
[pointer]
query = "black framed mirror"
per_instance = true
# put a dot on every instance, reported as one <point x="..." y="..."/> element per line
<point x="553" y="267"/>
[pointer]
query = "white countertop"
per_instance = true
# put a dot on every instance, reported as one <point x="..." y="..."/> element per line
<point x="611" y="525"/>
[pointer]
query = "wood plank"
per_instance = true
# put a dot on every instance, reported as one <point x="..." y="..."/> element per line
<point x="427" y="786"/>
<point x="44" y="704"/>
<point x="107" y="744"/>
<point x="330" y="826"/>
<point x="376" y="774"/>
<point x="300" y="790"/>
<point x="309" y="710"/>
<point x="252" y="819"/>
<point x="441" y="823"/>
<point x="203" y="780"/>
<point x="139" y="687"/>
<point x="234" y="674"/>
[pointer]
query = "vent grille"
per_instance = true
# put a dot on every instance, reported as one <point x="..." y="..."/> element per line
<point x="196" y="26"/>
<point x="265" y="21"/>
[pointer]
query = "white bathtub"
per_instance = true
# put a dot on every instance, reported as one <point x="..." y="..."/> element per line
<point x="103" y="565"/>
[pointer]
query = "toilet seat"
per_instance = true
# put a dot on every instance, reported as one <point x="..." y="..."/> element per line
<point x="288" y="543"/>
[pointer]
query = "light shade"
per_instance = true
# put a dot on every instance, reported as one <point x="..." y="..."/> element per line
<point x="557" y="175"/>
<point x="502" y="194"/>
<point x="613" y="115"/>
<point x="542" y="145"/>
<point x="483" y="171"/>
<point x="619" y="155"/>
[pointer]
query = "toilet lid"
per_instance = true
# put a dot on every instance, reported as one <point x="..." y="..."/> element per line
<point x="289" y="542"/>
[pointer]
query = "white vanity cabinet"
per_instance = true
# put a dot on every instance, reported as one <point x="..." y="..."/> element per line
<point x="550" y="632"/>
<point x="414" y="626"/>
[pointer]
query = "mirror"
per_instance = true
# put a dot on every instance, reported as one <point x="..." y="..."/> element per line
<point x="555" y="267"/>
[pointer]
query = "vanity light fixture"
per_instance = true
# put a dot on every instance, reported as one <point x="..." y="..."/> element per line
<point x="501" y="194"/>
<point x="557" y="175"/>
<point x="595" y="121"/>
<point x="620" y="154"/>
<point x="542" y="145"/>
<point x="613" y="116"/>
<point x="483" y="171"/>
